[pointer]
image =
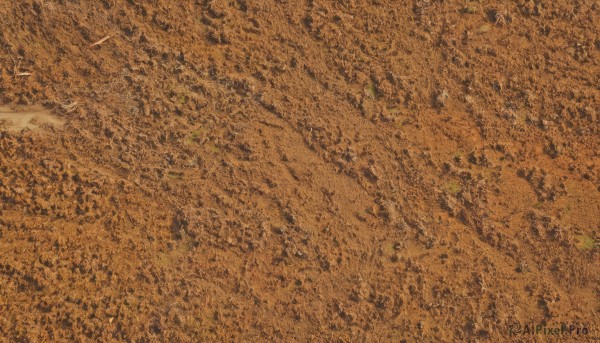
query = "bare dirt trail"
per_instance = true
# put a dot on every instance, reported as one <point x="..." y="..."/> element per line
<point x="298" y="171"/>
<point x="28" y="118"/>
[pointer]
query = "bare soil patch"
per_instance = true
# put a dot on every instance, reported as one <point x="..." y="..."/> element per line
<point x="298" y="171"/>
<point x="27" y="118"/>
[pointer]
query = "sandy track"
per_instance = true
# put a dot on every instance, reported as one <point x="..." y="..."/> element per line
<point x="283" y="171"/>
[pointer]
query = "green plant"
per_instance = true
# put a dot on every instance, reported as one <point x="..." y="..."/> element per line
<point x="585" y="242"/>
<point x="484" y="28"/>
<point x="469" y="9"/>
<point x="214" y="148"/>
<point x="193" y="137"/>
<point x="371" y="90"/>
<point x="453" y="187"/>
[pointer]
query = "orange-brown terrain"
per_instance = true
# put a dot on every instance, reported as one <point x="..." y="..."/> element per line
<point x="298" y="171"/>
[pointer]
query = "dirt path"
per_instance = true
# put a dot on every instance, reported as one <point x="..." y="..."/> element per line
<point x="298" y="171"/>
<point x="30" y="118"/>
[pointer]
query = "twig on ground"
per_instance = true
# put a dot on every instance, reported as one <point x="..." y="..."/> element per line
<point x="70" y="106"/>
<point x="100" y="41"/>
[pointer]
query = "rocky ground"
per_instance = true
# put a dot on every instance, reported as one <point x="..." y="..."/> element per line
<point x="311" y="171"/>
